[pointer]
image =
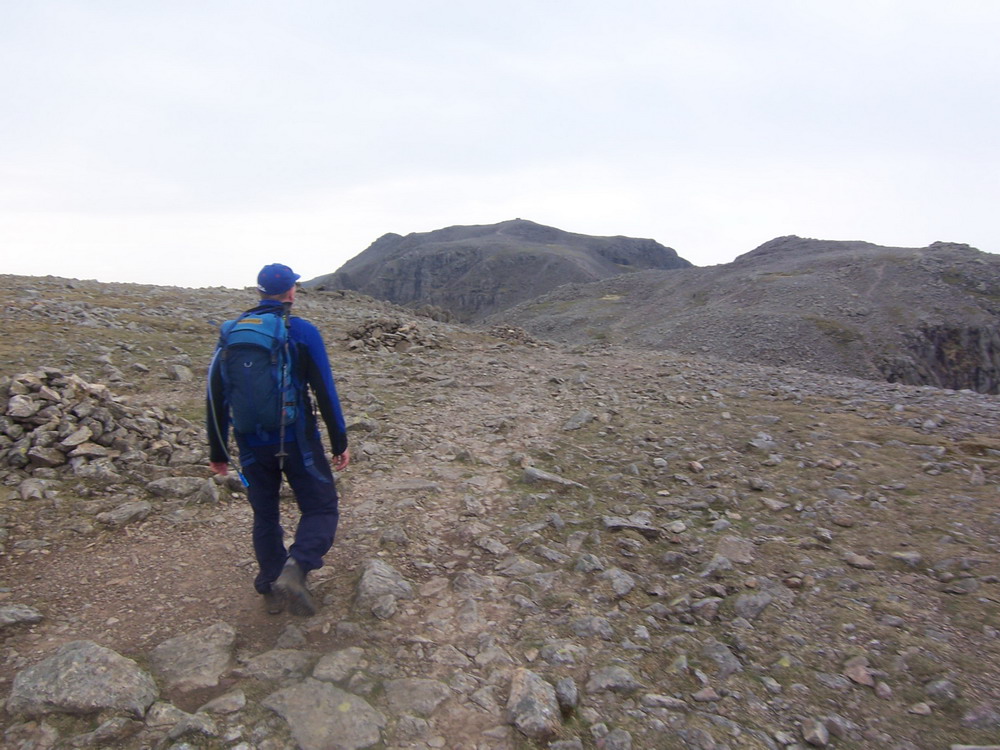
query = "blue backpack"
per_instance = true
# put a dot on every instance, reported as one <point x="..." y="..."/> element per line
<point x="258" y="373"/>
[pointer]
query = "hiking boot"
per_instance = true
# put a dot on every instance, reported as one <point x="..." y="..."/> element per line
<point x="291" y="585"/>
<point x="274" y="603"/>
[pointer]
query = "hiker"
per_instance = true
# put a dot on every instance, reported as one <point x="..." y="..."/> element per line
<point x="277" y="434"/>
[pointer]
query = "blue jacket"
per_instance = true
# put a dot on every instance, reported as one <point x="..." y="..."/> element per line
<point x="312" y="366"/>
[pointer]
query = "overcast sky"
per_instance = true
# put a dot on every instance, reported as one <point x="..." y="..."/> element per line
<point x="189" y="142"/>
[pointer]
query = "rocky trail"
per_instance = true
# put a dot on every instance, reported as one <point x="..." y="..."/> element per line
<point x="540" y="546"/>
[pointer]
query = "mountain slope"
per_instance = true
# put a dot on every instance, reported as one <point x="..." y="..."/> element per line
<point x="476" y="270"/>
<point x="675" y="552"/>
<point x="914" y="315"/>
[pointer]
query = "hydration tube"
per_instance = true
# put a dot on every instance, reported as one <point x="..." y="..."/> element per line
<point x="215" y="421"/>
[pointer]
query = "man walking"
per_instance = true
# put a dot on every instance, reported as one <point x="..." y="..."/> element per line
<point x="277" y="434"/>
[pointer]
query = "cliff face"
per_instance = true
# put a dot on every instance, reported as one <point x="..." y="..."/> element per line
<point x="473" y="271"/>
<point x="920" y="316"/>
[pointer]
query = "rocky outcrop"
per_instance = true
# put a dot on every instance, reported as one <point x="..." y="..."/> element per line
<point x="472" y="271"/>
<point x="82" y="678"/>
<point x="921" y="316"/>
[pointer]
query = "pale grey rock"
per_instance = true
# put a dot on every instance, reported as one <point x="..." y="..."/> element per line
<point x="278" y="664"/>
<point x="911" y="559"/>
<point x="34" y="489"/>
<point x="322" y="716"/>
<point x="621" y="582"/>
<point x="385" y="607"/>
<point x="655" y="700"/>
<point x="195" y="660"/>
<point x="179" y="487"/>
<point x="492" y="545"/>
<point x="736" y="549"/>
<point x="22" y="407"/>
<point x="750" y="606"/>
<point x="416" y="695"/>
<point x="567" y="694"/>
<point x="125" y="514"/>
<point x="208" y="494"/>
<point x="564" y="653"/>
<point x="859" y="561"/>
<point x="229" y="703"/>
<point x="815" y="733"/>
<point x="162" y="715"/>
<point x="581" y="419"/>
<point x="721" y="654"/>
<point x="194" y="724"/>
<point x="716" y="566"/>
<point x="379" y="580"/>
<point x="592" y="626"/>
<point x="588" y="563"/>
<point x="612" y="679"/>
<point x="517" y="566"/>
<point x="532" y="475"/>
<point x="532" y="706"/>
<point x="77" y="437"/>
<point x="180" y="373"/>
<point x="338" y="666"/>
<point x="17" y="614"/>
<point x="641" y="522"/>
<point x="82" y="678"/>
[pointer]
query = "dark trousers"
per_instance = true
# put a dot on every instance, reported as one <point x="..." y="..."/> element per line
<point x="317" y="502"/>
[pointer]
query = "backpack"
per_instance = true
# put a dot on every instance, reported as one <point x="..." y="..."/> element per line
<point x="258" y="374"/>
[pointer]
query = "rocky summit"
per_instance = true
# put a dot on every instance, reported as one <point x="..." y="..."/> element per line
<point x="468" y="272"/>
<point x="543" y="545"/>
<point x="922" y="316"/>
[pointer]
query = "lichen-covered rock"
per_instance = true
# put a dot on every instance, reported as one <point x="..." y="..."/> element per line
<point x="82" y="678"/>
<point x="322" y="716"/>
<point x="533" y="707"/>
<point x="195" y="660"/>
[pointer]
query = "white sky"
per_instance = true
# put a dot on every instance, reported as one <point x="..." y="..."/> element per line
<point x="190" y="142"/>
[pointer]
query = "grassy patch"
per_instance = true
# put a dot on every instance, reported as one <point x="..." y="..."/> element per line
<point x="838" y="332"/>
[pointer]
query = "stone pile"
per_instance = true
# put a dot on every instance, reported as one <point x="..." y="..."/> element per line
<point x="54" y="423"/>
<point x="389" y="334"/>
<point x="514" y="334"/>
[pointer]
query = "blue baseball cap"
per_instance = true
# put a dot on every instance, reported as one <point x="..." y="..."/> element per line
<point x="276" y="279"/>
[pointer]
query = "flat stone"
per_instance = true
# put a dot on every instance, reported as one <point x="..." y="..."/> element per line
<point x="416" y="696"/>
<point x="279" y="664"/>
<point x="321" y="716"/>
<point x="82" y="678"/>
<point x="195" y="660"/>
<point x="125" y="514"/>
<point x="532" y="475"/>
<point x="613" y="680"/>
<point x="17" y="614"/>
<point x="338" y="666"/>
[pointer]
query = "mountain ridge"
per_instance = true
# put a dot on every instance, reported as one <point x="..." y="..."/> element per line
<point x="474" y="270"/>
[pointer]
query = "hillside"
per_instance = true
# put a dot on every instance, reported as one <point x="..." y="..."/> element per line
<point x="910" y="315"/>
<point x="472" y="271"/>
<point x="541" y="545"/>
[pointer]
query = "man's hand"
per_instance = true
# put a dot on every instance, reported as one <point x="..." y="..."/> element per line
<point x="219" y="467"/>
<point x="340" y="462"/>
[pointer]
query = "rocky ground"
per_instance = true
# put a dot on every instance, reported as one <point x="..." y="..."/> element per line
<point x="921" y="316"/>
<point x="540" y="546"/>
